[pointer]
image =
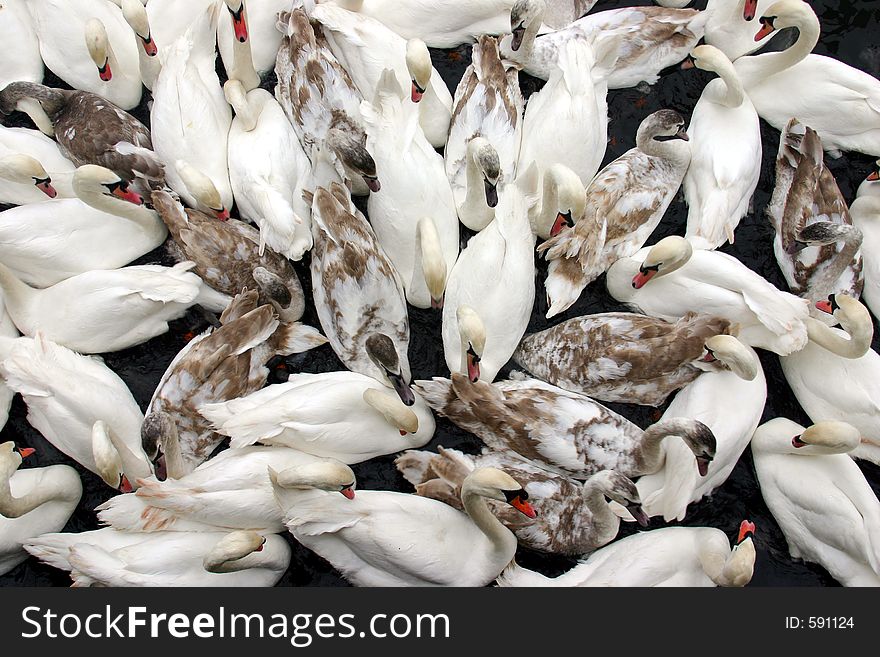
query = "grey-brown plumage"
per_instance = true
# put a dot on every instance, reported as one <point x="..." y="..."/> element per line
<point x="227" y="256"/>
<point x="573" y="517"/>
<point x="621" y="357"/>
<point x="91" y="130"/>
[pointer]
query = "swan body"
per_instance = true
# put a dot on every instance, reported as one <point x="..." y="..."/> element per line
<point x="366" y="47"/>
<point x="8" y="331"/>
<point x="414" y="185"/>
<point x="21" y="59"/>
<point x="565" y="431"/>
<point x="725" y="154"/>
<point x="267" y="170"/>
<point x="631" y="358"/>
<point x="488" y="105"/>
<point x="107" y="557"/>
<point x="15" y="142"/>
<point x="865" y="214"/>
<point x="668" y="492"/>
<point x="821" y="500"/>
<point x="107" y="310"/>
<point x="717" y="284"/>
<point x="32" y="502"/>
<point x="170" y="19"/>
<point x="671" y="556"/>
<point x="329" y="415"/>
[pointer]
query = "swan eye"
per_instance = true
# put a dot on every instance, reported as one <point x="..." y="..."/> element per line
<point x="650" y="268"/>
<point x="834" y="305"/>
<point x="512" y="495"/>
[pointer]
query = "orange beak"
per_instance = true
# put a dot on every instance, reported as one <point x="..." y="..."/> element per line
<point x="688" y="63"/>
<point x="222" y="214"/>
<point x="416" y="93"/>
<point x="523" y="507"/>
<point x="402" y="432"/>
<point x="239" y="24"/>
<point x="766" y="30"/>
<point x="873" y="176"/>
<point x="45" y="186"/>
<point x="127" y="195"/>
<point x="825" y="306"/>
<point x="26" y="451"/>
<point x="746" y="529"/>
<point x="750" y="9"/>
<point x="558" y="225"/>
<point x="149" y="46"/>
<point x="104" y="72"/>
<point x="641" y="279"/>
<point x="348" y="492"/>
<point x="437" y="304"/>
<point x="473" y="368"/>
<point x="125" y="485"/>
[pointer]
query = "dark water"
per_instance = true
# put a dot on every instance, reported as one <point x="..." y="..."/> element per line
<point x="850" y="32"/>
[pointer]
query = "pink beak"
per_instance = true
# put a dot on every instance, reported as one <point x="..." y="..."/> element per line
<point x="46" y="187"/>
<point x="416" y="94"/>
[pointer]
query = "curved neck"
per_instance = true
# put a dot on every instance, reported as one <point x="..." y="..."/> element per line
<point x="475" y="199"/>
<point x="233" y="565"/>
<point x="852" y="242"/>
<point x="245" y="111"/>
<point x="649" y="454"/>
<point x="594" y="499"/>
<point x="549" y="202"/>
<point x="18" y="294"/>
<point x="133" y="467"/>
<point x="139" y="214"/>
<point x="15" y="507"/>
<point x="37" y="114"/>
<point x="479" y="512"/>
<point x="855" y="346"/>
<point x="774" y="62"/>
<point x="149" y="66"/>
<point x="674" y="149"/>
<point x="733" y="94"/>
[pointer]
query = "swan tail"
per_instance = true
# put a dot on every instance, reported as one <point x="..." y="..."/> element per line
<point x="91" y="564"/>
<point x="238" y="420"/>
<point x="241" y="304"/>
<point x="133" y="513"/>
<point x="415" y="466"/>
<point x="212" y="300"/>
<point x="277" y="220"/>
<point x="716" y="222"/>
<point x="312" y="520"/>
<point x="518" y="576"/>
<point x="296" y="338"/>
<point x="437" y="393"/>
<point x="52" y="549"/>
<point x="575" y="58"/>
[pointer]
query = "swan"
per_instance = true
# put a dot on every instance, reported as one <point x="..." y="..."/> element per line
<point x="563" y="199"/>
<point x="358" y="294"/>
<point x="670" y="279"/>
<point x="816" y="245"/>
<point x="91" y="130"/>
<point x="88" y="44"/>
<point x="170" y="19"/>
<point x="230" y="491"/>
<point x="485" y="134"/>
<point x="8" y="331"/>
<point x="625" y="203"/>
<point x="80" y="406"/>
<point x="568" y="432"/>
<point x="217" y="366"/>
<point x="668" y="491"/>
<point x="635" y="359"/>
<point x="650" y="39"/>
<point x="788" y="83"/>
<point x="107" y="557"/>
<point x="725" y="154"/>
<point x="227" y="256"/>
<point x="149" y="61"/>
<point x="323" y="106"/>
<point x="255" y="21"/>
<point x="18" y="142"/>
<point x="32" y="502"/>
<point x="108" y="310"/>
<point x="827" y="510"/>
<point x="190" y="118"/>
<point x="414" y="186"/>
<point x="495" y="278"/>
<point x="267" y="167"/>
<point x="835" y="377"/>
<point x="384" y="538"/>
<point x="105" y="227"/>
<point x="573" y="517"/>
<point x="566" y="122"/>
<point x="365" y="48"/>
<point x="865" y="214"/>
<point x="22" y="59"/>
<point x="671" y="556"/>
<point x="23" y="178"/>
<point x="342" y="415"/>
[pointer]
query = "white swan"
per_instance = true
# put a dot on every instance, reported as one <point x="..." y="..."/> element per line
<point x="364" y="419"/>
<point x="485" y="134"/>
<point x="190" y="118"/>
<point x="8" y="330"/>
<point x="414" y="186"/>
<point x="495" y="278"/>
<point x="108" y="310"/>
<point x="255" y="20"/>
<point x="818" y="90"/>
<point x="268" y="169"/>
<point x="107" y="557"/>
<point x="384" y="538"/>
<point x="672" y="279"/>
<point x="23" y="180"/>
<point x="149" y="60"/>
<point x="837" y="375"/>
<point x="865" y="214"/>
<point x="32" y="502"/>
<point x="672" y="556"/>
<point x="80" y="406"/>
<point x="105" y="227"/>
<point x="366" y="47"/>
<point x="668" y="492"/>
<point x="22" y="59"/>
<point x="170" y="19"/>
<point x="725" y="154"/>
<point x="88" y="44"/>
<point x="825" y="507"/>
<point x="230" y="491"/>
<point x="36" y="145"/>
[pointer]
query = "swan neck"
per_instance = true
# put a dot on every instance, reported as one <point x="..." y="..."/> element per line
<point x="855" y="346"/>
<point x="175" y="466"/>
<point x="649" y="454"/>
<point x="675" y="150"/>
<point x="16" y="291"/>
<point x="475" y="197"/>
<point x="549" y="201"/>
<point x="852" y="242"/>
<point x="775" y="62"/>
<point x="243" y="65"/>
<point x="734" y="94"/>
<point x="244" y="111"/>
<point x="594" y="499"/>
<point x="476" y="507"/>
<point x="133" y="467"/>
<point x="232" y="565"/>
<point x="16" y="507"/>
<point x="117" y="207"/>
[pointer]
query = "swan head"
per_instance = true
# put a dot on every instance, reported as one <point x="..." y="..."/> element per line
<point x="485" y="157"/>
<point x="98" y="46"/>
<point x="829" y="437"/>
<point x="232" y="547"/>
<point x="619" y="488"/>
<point x="473" y="340"/>
<point x="740" y="565"/>
<point x="91" y="179"/>
<point x="733" y="355"/>
<point x="323" y="474"/>
<point x="496" y="485"/>
<point x="135" y="14"/>
<point x="706" y="58"/>
<point x="571" y="199"/>
<point x="203" y="189"/>
<point x="662" y="125"/>
<point x="161" y="445"/>
<point x="696" y="435"/>
<point x="11" y="458"/>
<point x="524" y="14"/>
<point x="821" y="233"/>
<point x="666" y="256"/>
<point x="26" y="170"/>
<point x="108" y="463"/>
<point x="354" y="155"/>
<point x="382" y="352"/>
<point x="785" y="13"/>
<point x="418" y="63"/>
<point x="239" y="19"/>
<point x="433" y="262"/>
<point x="852" y="315"/>
<point x="396" y="414"/>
